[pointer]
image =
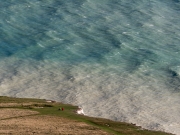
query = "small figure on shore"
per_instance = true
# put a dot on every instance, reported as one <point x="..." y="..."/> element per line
<point x="62" y="109"/>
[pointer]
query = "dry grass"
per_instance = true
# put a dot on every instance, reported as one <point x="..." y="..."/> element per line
<point x="41" y="125"/>
<point x="11" y="113"/>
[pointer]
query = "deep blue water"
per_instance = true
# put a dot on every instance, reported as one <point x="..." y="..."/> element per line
<point x="116" y="59"/>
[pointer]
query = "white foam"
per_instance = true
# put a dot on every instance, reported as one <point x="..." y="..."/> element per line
<point x="98" y="89"/>
<point x="80" y="111"/>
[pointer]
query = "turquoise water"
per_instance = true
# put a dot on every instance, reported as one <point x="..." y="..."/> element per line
<point x="116" y="59"/>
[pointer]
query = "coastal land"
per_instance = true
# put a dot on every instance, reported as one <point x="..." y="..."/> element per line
<point x="19" y="116"/>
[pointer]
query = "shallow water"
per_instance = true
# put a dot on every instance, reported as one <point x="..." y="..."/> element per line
<point x="116" y="59"/>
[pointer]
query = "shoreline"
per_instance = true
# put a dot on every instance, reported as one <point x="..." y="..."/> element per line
<point x="70" y="112"/>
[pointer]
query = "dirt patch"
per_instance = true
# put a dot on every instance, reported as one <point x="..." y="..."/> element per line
<point x="41" y="125"/>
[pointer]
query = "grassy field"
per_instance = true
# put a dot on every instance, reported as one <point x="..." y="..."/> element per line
<point x="96" y="125"/>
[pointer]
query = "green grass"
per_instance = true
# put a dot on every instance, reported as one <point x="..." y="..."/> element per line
<point x="4" y="99"/>
<point x="116" y="128"/>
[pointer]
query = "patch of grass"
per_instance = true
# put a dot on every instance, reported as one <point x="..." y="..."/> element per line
<point x="4" y="99"/>
<point x="115" y="128"/>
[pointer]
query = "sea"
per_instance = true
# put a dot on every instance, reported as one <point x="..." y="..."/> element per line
<point x="116" y="59"/>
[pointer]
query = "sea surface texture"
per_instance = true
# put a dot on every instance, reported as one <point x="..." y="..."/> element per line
<point x="117" y="59"/>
